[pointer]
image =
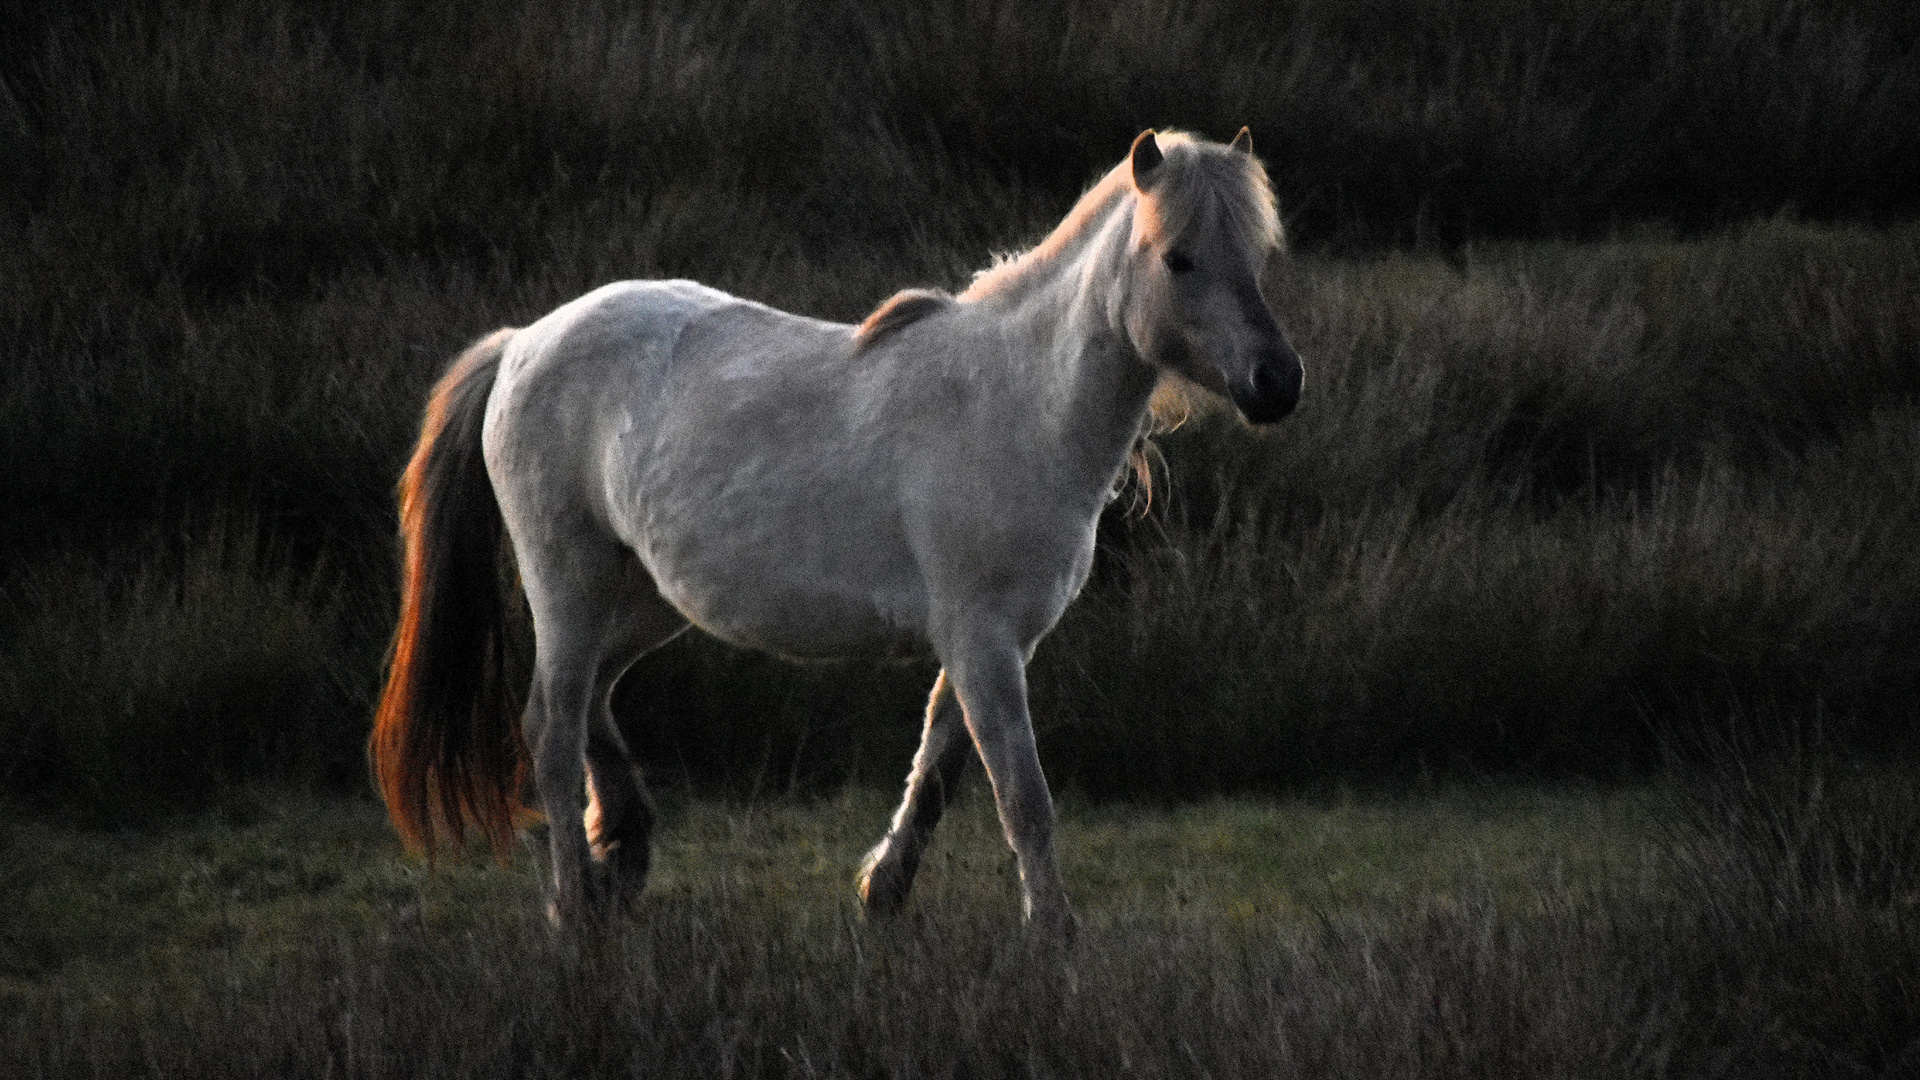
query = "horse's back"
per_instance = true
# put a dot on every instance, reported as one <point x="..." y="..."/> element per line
<point x="607" y="367"/>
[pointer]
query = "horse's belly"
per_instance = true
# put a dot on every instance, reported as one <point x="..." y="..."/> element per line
<point x="814" y="626"/>
<point x="808" y="622"/>
<point x="795" y="607"/>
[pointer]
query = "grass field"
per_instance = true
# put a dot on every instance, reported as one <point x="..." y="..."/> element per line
<point x="1503" y="929"/>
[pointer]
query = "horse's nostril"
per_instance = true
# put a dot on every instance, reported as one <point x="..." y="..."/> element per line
<point x="1272" y="390"/>
<point x="1280" y="376"/>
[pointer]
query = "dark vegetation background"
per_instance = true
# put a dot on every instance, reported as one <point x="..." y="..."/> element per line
<point x="1611" y="311"/>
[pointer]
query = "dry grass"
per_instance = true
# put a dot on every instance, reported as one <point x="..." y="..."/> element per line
<point x="135" y="682"/>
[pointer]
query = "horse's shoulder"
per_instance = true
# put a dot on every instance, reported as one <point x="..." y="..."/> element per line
<point x="900" y="310"/>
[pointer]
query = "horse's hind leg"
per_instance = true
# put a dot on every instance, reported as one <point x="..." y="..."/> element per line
<point x="590" y="622"/>
<point x="619" y="814"/>
<point x="937" y="768"/>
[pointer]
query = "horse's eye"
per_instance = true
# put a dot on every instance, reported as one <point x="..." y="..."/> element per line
<point x="1177" y="262"/>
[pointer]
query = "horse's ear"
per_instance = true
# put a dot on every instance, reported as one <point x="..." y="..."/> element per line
<point x="1146" y="158"/>
<point x="1243" y="142"/>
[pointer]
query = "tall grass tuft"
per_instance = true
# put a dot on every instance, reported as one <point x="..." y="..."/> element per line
<point x="129" y="687"/>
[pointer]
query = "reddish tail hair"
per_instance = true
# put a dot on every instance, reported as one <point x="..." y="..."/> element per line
<point x="445" y="750"/>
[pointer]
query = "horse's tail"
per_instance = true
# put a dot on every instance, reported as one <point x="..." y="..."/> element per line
<point x="444" y="750"/>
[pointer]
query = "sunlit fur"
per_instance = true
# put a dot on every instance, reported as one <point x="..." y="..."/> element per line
<point x="663" y="454"/>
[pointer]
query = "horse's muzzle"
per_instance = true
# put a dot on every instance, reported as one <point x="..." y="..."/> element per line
<point x="1271" y="389"/>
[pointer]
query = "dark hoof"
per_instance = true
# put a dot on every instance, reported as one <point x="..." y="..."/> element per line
<point x="883" y="887"/>
<point x="626" y="860"/>
<point x="1055" y="930"/>
<point x="601" y="900"/>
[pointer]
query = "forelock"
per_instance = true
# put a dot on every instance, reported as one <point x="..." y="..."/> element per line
<point x="1199" y="177"/>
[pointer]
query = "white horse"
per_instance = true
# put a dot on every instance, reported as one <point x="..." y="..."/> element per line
<point x="662" y="454"/>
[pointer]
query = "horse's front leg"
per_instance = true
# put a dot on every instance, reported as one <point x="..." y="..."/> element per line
<point x="888" y="872"/>
<point x="991" y="680"/>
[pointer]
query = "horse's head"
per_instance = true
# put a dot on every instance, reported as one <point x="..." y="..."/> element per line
<point x="1203" y="227"/>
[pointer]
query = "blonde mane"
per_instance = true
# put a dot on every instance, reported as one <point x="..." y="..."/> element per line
<point x="1196" y="178"/>
<point x="901" y="310"/>
<point x="1076" y="228"/>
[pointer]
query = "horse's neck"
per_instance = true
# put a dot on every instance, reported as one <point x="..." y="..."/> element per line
<point x="1069" y="241"/>
<point x="1086" y="383"/>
